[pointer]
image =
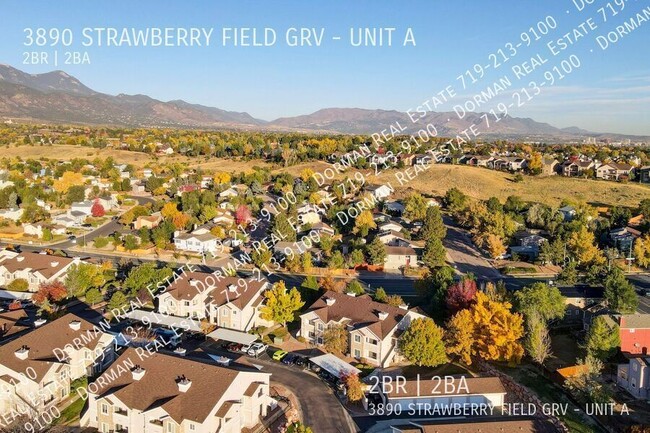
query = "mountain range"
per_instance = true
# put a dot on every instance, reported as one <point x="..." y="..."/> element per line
<point x="61" y="98"/>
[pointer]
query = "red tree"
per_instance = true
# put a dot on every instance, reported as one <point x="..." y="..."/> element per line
<point x="242" y="214"/>
<point x="97" y="210"/>
<point x="53" y="292"/>
<point x="461" y="294"/>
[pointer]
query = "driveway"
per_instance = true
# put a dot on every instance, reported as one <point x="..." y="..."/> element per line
<point x="462" y="253"/>
<point x="320" y="408"/>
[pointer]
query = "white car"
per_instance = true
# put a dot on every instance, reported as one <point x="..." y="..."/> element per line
<point x="245" y="348"/>
<point x="257" y="349"/>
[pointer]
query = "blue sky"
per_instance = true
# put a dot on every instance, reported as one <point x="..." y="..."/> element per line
<point x="609" y="92"/>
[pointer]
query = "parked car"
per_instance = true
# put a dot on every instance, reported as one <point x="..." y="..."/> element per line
<point x="301" y="361"/>
<point x="289" y="359"/>
<point x="234" y="347"/>
<point x="72" y="239"/>
<point x="279" y="354"/>
<point x="257" y="349"/>
<point x="245" y="347"/>
<point x="167" y="337"/>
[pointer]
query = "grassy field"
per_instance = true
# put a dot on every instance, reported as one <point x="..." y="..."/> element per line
<point x="473" y="181"/>
<point x="483" y="183"/>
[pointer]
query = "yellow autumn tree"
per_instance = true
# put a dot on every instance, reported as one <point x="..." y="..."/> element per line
<point x="494" y="245"/>
<point x="535" y="163"/>
<point x="364" y="223"/>
<point x="221" y="177"/>
<point x="306" y="174"/>
<point x="169" y="210"/>
<point x="582" y="244"/>
<point x="642" y="251"/>
<point x="488" y="330"/>
<point x="67" y="180"/>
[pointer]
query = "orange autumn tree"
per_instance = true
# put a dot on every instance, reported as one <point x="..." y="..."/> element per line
<point x="488" y="330"/>
<point x="49" y="293"/>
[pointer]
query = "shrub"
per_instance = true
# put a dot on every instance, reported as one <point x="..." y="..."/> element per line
<point x="100" y="242"/>
<point x="18" y="285"/>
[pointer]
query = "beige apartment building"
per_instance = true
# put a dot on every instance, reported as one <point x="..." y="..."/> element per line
<point x="36" y="369"/>
<point x="228" y="302"/>
<point x="374" y="328"/>
<point x="147" y="392"/>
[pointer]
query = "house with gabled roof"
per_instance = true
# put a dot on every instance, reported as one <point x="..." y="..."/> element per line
<point x="151" y="392"/>
<point x="373" y="328"/>
<point x="228" y="302"/>
<point x="615" y="171"/>
<point x="36" y="369"/>
<point x="35" y="268"/>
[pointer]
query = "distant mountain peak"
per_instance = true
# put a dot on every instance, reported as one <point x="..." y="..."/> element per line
<point x="57" y="96"/>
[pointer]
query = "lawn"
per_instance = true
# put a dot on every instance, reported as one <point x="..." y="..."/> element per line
<point x="71" y="413"/>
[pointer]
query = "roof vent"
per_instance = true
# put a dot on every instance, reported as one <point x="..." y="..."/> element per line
<point x="75" y="325"/>
<point x="20" y="258"/>
<point x="22" y="353"/>
<point x="39" y="322"/>
<point x="382" y="315"/>
<point x="180" y="351"/>
<point x="404" y="306"/>
<point x="232" y="288"/>
<point x="351" y="294"/>
<point x="194" y="283"/>
<point x="138" y="372"/>
<point x="54" y="264"/>
<point x="183" y="384"/>
<point x="330" y="301"/>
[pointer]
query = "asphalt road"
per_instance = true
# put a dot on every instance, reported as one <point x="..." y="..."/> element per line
<point x="320" y="408"/>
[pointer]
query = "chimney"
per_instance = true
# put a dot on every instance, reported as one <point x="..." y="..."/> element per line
<point x="20" y="258"/>
<point x="22" y="353"/>
<point x="75" y="325"/>
<point x="137" y="372"/>
<point x="382" y="315"/>
<point x="351" y="294"/>
<point x="184" y="384"/>
<point x="330" y="301"/>
<point x="54" y="264"/>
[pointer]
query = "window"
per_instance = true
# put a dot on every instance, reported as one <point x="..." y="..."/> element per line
<point x="320" y="326"/>
<point x="357" y="338"/>
<point x="104" y="408"/>
<point x="186" y="303"/>
<point x="371" y="341"/>
<point x="357" y="353"/>
<point x="105" y="427"/>
<point x="225" y="312"/>
<point x="192" y="427"/>
<point x="372" y="355"/>
<point x="320" y="340"/>
<point x="171" y="428"/>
